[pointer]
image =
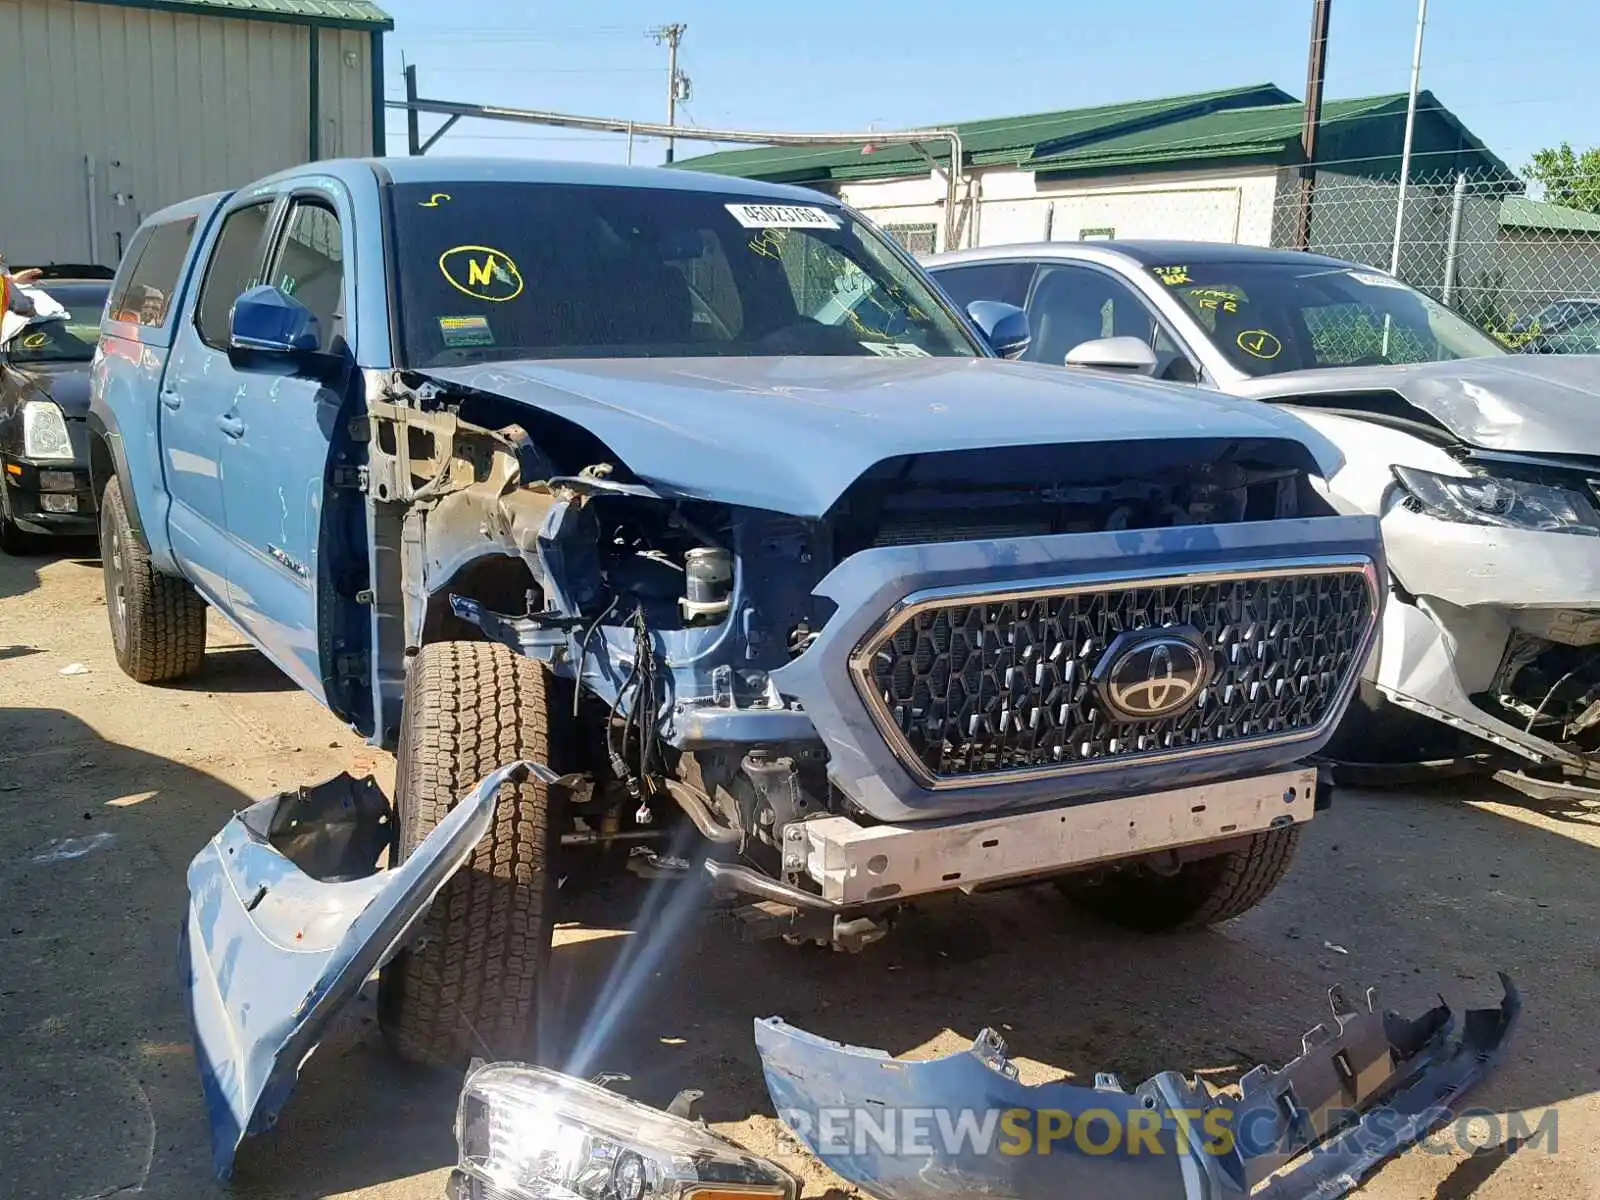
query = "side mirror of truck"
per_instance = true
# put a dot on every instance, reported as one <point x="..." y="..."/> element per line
<point x="1004" y="326"/>
<point x="268" y="326"/>
<point x="1128" y="354"/>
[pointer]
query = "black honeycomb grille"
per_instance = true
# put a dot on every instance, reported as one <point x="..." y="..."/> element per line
<point x="977" y="687"/>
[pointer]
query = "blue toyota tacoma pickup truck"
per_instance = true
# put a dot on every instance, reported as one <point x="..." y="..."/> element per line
<point x="698" y="496"/>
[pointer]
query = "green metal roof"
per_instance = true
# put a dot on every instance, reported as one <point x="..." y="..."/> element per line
<point x="1518" y="212"/>
<point x="346" y="14"/>
<point x="1260" y="123"/>
<point x="1003" y="140"/>
<point x="1271" y="130"/>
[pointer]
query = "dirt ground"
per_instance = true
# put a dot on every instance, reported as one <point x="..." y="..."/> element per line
<point x="107" y="789"/>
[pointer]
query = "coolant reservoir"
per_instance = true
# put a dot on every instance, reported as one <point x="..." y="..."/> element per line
<point x="708" y="585"/>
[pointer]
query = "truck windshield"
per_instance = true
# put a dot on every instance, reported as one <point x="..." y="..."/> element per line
<point x="71" y="338"/>
<point x="1271" y="317"/>
<point x="489" y="271"/>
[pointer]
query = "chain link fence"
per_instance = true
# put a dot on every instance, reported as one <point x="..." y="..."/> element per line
<point x="1521" y="269"/>
<point x="1526" y="271"/>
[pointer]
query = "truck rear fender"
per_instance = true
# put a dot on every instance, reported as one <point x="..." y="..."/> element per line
<point x="138" y="467"/>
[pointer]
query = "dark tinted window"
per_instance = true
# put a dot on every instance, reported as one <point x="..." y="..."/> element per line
<point x="490" y="271"/>
<point x="147" y="297"/>
<point x="1006" y="282"/>
<point x="234" y="268"/>
<point x="71" y="338"/>
<point x="310" y="266"/>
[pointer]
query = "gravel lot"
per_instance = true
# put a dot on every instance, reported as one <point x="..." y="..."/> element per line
<point x="1413" y="893"/>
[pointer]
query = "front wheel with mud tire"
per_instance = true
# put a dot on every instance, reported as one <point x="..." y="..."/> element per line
<point x="1203" y="891"/>
<point x="158" y="622"/>
<point x="469" y="982"/>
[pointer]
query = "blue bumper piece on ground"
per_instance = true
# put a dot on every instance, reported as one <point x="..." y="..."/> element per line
<point x="965" y="1125"/>
<point x="289" y="915"/>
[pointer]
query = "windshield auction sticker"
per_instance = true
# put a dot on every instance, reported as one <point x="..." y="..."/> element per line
<point x="481" y="272"/>
<point x="465" y="331"/>
<point x="782" y="216"/>
<point x="1258" y="343"/>
<point x="896" y="349"/>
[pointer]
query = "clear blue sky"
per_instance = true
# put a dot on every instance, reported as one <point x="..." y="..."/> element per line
<point x="1520" y="75"/>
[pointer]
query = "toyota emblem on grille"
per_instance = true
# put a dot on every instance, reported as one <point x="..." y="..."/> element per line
<point x="1153" y="673"/>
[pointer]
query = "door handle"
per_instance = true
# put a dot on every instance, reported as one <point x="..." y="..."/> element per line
<point x="171" y="399"/>
<point x="230" y="425"/>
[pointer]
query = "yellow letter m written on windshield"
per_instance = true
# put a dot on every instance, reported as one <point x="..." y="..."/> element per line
<point x="480" y="274"/>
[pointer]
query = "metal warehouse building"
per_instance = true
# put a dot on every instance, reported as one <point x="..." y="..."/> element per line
<point x="116" y="108"/>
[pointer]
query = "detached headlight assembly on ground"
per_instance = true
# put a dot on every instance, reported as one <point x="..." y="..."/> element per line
<point x="44" y="432"/>
<point x="526" y="1133"/>
<point x="1508" y="503"/>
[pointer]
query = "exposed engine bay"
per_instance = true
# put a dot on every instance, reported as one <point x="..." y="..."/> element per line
<point x="522" y="536"/>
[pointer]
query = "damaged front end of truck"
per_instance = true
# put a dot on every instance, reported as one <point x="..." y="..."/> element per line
<point x="836" y="656"/>
<point x="800" y="644"/>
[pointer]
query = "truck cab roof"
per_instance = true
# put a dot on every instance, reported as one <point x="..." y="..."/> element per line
<point x="445" y="169"/>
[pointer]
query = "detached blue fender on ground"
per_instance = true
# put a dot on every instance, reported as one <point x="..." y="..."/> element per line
<point x="289" y="914"/>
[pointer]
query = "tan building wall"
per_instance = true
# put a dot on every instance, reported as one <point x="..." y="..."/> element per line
<point x="114" y="111"/>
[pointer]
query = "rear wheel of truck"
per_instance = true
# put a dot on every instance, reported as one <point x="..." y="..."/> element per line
<point x="1201" y="892"/>
<point x="158" y="622"/>
<point x="469" y="983"/>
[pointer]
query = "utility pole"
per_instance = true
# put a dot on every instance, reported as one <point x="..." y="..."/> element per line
<point x="1316" y="71"/>
<point x="413" y="129"/>
<point x="1411" y="124"/>
<point x="677" y="85"/>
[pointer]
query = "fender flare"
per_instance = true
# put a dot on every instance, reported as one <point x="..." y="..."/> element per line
<point x="108" y="458"/>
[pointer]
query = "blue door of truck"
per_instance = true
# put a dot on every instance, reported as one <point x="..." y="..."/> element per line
<point x="275" y="459"/>
<point x="200" y="393"/>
